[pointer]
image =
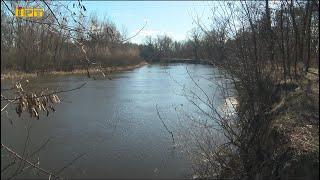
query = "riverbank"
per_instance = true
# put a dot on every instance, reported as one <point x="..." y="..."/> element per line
<point x="107" y="70"/>
<point x="281" y="142"/>
<point x="289" y="145"/>
<point x="294" y="134"/>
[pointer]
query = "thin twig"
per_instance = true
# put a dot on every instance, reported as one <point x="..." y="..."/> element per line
<point x="70" y="163"/>
<point x="30" y="163"/>
<point x="30" y="156"/>
<point x="165" y="126"/>
<point x="135" y="34"/>
<point x="45" y="95"/>
<point x="52" y="12"/>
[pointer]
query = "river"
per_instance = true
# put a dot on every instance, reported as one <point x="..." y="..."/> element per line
<point x="114" y="122"/>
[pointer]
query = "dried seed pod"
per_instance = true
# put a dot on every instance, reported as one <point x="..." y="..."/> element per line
<point x="32" y="102"/>
<point x="56" y="98"/>
<point x="47" y="112"/>
<point x="19" y="110"/>
<point x="51" y="107"/>
<point x="43" y="107"/>
<point x="44" y="102"/>
<point x="51" y="97"/>
<point x="23" y="102"/>
<point x="35" y="112"/>
<point x="37" y="108"/>
<point x="18" y="85"/>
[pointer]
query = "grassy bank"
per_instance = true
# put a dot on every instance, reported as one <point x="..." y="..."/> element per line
<point x="106" y="70"/>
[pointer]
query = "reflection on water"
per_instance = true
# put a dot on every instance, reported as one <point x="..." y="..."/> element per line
<point x="115" y="122"/>
<point x="229" y="106"/>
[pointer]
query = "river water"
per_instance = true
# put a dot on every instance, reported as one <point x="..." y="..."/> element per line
<point x="114" y="122"/>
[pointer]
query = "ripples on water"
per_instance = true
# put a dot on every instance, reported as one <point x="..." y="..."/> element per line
<point x="115" y="123"/>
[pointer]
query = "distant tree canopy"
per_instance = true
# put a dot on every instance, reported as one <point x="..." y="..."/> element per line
<point x="286" y="34"/>
<point x="165" y="47"/>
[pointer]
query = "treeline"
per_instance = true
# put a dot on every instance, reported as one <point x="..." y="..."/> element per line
<point x="286" y="35"/>
<point x="266" y="48"/>
<point x="64" y="39"/>
<point x="164" y="46"/>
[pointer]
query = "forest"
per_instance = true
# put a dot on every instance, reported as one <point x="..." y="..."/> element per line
<point x="268" y="51"/>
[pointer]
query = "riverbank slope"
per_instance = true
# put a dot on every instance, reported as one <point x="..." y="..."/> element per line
<point x="93" y="70"/>
<point x="289" y="145"/>
<point x="294" y="132"/>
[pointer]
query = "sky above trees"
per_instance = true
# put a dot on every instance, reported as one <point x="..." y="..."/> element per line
<point x="172" y="18"/>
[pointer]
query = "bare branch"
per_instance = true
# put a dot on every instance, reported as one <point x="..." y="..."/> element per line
<point x="45" y="95"/>
<point x="13" y="153"/>
<point x="165" y="126"/>
<point x="136" y="33"/>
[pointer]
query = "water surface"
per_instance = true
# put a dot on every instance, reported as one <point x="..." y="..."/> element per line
<point x="114" y="122"/>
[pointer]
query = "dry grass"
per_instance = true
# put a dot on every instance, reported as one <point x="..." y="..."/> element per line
<point x="19" y="75"/>
<point x="296" y="125"/>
